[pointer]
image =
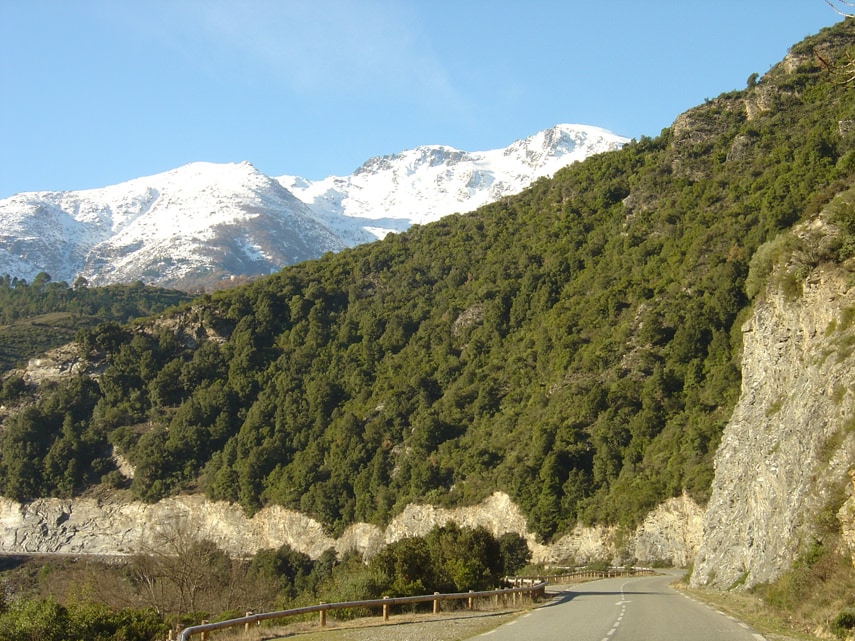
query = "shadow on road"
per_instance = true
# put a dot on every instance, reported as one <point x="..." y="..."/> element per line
<point x="563" y="596"/>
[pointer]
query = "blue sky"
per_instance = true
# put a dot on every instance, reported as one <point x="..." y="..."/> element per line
<point x="95" y="92"/>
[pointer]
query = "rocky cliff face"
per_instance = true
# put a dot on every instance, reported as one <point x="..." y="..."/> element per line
<point x="785" y="454"/>
<point x="89" y="526"/>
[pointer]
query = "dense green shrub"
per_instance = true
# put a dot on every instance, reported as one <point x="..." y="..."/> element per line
<point x="42" y="315"/>
<point x="449" y="559"/>
<point x="844" y="623"/>
<point x="46" y="620"/>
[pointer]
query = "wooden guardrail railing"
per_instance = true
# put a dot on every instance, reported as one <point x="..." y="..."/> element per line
<point x="532" y="592"/>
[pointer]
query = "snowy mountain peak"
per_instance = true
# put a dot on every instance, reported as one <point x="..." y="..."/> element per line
<point x="413" y="159"/>
<point x="206" y="221"/>
<point x="420" y="185"/>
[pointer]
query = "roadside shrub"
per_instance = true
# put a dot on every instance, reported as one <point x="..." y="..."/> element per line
<point x="844" y="622"/>
<point x="47" y="620"/>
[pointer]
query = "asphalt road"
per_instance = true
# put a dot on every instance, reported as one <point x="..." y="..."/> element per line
<point x="623" y="609"/>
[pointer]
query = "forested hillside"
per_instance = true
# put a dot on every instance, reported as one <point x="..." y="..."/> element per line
<point x="44" y="314"/>
<point x="576" y="346"/>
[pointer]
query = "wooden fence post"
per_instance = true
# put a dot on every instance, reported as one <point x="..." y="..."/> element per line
<point x="471" y="601"/>
<point x="204" y="635"/>
<point x="323" y="616"/>
<point x="246" y="625"/>
<point x="435" y="604"/>
<point x="385" y="610"/>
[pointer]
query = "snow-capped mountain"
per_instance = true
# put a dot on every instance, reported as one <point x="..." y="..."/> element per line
<point x="389" y="193"/>
<point x="190" y="225"/>
<point x="204" y="222"/>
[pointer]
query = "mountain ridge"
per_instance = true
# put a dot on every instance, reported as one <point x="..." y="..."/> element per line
<point x="466" y="180"/>
<point x="204" y="222"/>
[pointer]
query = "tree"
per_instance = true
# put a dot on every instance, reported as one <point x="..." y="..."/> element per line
<point x="408" y="566"/>
<point x="41" y="280"/>
<point x="514" y="551"/>
<point x="464" y="558"/>
<point x="845" y="71"/>
<point x="843" y="7"/>
<point x="288" y="569"/>
<point x="28" y="619"/>
<point x="176" y="570"/>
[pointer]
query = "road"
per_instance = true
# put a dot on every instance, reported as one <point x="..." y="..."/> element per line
<point x="623" y="609"/>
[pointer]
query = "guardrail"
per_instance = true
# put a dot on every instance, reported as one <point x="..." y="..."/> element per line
<point x="535" y="591"/>
<point x="581" y="574"/>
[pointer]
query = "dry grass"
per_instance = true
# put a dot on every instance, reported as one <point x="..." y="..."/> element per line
<point x="801" y="605"/>
<point x="751" y="609"/>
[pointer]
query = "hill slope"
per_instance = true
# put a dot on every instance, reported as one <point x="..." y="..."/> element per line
<point x="575" y="346"/>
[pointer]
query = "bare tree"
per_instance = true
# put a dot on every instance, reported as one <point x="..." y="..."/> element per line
<point x="844" y="72"/>
<point x="176" y="570"/>
<point x="843" y="7"/>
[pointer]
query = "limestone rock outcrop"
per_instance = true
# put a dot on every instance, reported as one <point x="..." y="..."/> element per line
<point x="671" y="534"/>
<point x="789" y="444"/>
<point x="96" y="527"/>
<point x="89" y="526"/>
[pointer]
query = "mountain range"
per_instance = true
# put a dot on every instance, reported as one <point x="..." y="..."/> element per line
<point x="202" y="223"/>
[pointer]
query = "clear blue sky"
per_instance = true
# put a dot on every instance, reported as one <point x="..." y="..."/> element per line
<point x="95" y="92"/>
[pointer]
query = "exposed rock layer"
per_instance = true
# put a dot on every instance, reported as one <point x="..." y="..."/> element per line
<point x="785" y="453"/>
<point x="89" y="526"/>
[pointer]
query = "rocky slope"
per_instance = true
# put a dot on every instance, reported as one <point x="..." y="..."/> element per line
<point x="91" y="526"/>
<point x="783" y="461"/>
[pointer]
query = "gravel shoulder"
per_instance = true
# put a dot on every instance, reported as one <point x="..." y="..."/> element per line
<point x="450" y="626"/>
<point x="407" y="627"/>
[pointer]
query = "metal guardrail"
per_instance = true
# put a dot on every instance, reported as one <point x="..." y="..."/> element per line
<point x="533" y="591"/>
<point x="585" y="574"/>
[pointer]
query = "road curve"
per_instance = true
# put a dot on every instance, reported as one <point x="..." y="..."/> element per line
<point x="623" y="609"/>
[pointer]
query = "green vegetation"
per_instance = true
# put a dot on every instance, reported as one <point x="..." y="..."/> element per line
<point x="576" y="346"/>
<point x="183" y="580"/>
<point x="42" y="315"/>
<point x="448" y="559"/>
<point x="47" y="621"/>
